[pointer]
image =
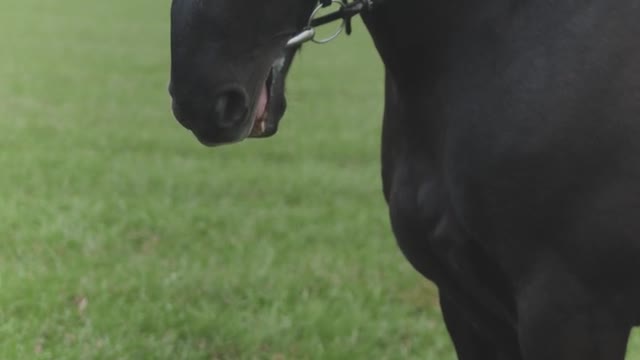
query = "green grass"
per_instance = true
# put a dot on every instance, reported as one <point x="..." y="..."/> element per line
<point x="122" y="238"/>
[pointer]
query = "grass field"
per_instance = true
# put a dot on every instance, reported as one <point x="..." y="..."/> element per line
<point x="122" y="238"/>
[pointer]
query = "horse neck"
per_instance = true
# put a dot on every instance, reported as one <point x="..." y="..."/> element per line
<point x="415" y="38"/>
<point x="423" y="45"/>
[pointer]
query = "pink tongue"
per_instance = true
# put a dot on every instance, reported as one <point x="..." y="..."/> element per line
<point x="261" y="108"/>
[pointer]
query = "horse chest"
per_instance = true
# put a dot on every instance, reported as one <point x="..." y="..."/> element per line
<point x="433" y="238"/>
<point x="420" y="214"/>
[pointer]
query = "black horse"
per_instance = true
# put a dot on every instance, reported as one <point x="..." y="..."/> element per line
<point x="510" y="151"/>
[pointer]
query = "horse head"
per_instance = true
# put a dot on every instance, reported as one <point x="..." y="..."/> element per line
<point x="229" y="61"/>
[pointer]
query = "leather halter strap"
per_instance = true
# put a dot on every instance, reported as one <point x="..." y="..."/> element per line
<point x="348" y="9"/>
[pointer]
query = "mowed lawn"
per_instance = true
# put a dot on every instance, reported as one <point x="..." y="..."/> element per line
<point x="122" y="238"/>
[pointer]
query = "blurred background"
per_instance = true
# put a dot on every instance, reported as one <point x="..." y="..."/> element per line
<point x="123" y="238"/>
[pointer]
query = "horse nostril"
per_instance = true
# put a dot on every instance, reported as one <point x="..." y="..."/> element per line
<point x="230" y="108"/>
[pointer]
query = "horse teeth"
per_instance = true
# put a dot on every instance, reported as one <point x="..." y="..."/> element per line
<point x="263" y="126"/>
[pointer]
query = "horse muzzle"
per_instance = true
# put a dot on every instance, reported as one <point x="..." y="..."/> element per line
<point x="222" y="120"/>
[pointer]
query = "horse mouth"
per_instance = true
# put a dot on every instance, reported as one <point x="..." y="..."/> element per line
<point x="271" y="103"/>
<point x="261" y="118"/>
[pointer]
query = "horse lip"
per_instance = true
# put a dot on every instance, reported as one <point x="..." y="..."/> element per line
<point x="259" y="124"/>
<point x="268" y="123"/>
<point x="206" y="139"/>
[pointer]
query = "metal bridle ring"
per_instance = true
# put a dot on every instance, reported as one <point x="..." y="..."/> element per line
<point x="315" y="12"/>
